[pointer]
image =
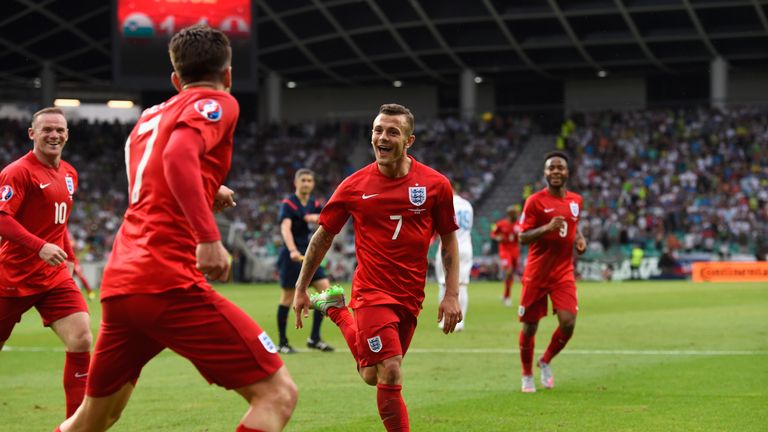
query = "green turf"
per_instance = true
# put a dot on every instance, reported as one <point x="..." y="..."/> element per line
<point x="652" y="356"/>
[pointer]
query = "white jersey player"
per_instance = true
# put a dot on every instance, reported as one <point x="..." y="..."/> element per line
<point x="464" y="218"/>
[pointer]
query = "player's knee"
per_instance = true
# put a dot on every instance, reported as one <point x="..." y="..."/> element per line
<point x="80" y="340"/>
<point x="389" y="373"/>
<point x="529" y="329"/>
<point x="284" y="398"/>
<point x="369" y="376"/>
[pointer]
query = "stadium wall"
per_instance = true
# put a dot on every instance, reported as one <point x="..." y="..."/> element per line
<point x="603" y="94"/>
<point x="746" y="88"/>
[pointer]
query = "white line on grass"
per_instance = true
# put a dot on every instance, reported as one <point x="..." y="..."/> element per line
<point x="514" y="351"/>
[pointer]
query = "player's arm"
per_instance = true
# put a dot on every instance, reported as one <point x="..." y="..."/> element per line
<point x="70" y="254"/>
<point x="285" y="230"/>
<point x="181" y="167"/>
<point x="532" y="235"/>
<point x="11" y="230"/>
<point x="318" y="247"/>
<point x="581" y="242"/>
<point x="449" y="310"/>
<point x="225" y="198"/>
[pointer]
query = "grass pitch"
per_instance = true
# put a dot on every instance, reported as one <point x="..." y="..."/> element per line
<point x="646" y="356"/>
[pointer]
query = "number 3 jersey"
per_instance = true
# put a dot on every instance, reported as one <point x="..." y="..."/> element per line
<point x="394" y="220"/>
<point x="550" y="258"/>
<point x="154" y="249"/>
<point x="39" y="197"/>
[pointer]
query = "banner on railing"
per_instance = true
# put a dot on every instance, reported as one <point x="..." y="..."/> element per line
<point x="730" y="271"/>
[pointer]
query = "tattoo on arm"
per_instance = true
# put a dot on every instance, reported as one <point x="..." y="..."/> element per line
<point x="318" y="247"/>
<point x="447" y="258"/>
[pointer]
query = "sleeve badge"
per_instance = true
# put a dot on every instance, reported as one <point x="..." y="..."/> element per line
<point x="209" y="108"/>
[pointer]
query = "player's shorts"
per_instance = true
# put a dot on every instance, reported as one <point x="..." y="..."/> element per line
<point x="53" y="305"/>
<point x="533" y="301"/>
<point x="509" y="260"/>
<point x="465" y="268"/>
<point x="289" y="270"/>
<point x="226" y="346"/>
<point x="383" y="332"/>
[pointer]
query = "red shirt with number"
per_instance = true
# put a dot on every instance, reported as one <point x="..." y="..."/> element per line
<point x="154" y="250"/>
<point x="550" y="258"/>
<point x="508" y="231"/>
<point x="394" y="221"/>
<point x="39" y="197"/>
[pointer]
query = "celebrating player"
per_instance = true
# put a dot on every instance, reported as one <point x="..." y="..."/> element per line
<point x="296" y="212"/>
<point x="154" y="292"/>
<point x="464" y="217"/>
<point x="35" y="202"/>
<point x="550" y="226"/>
<point x="505" y="232"/>
<point x="397" y="204"/>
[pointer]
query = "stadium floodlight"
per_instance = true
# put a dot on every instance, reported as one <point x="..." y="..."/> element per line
<point x="121" y="104"/>
<point x="602" y="74"/>
<point x="397" y="83"/>
<point x="66" y="102"/>
<point x="291" y="84"/>
<point x="478" y="79"/>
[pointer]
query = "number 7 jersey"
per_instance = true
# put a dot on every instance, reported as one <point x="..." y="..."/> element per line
<point x="154" y="249"/>
<point x="394" y="221"/>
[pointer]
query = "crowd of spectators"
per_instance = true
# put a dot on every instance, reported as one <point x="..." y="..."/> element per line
<point x="672" y="180"/>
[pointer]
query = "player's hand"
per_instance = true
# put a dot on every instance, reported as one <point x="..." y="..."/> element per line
<point x="449" y="312"/>
<point x="213" y="260"/>
<point x="557" y="223"/>
<point x="52" y="254"/>
<point x="300" y="306"/>
<point x="296" y="256"/>
<point x="581" y="245"/>
<point x="311" y="218"/>
<point x="225" y="198"/>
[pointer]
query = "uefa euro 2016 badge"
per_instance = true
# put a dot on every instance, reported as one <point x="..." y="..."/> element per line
<point x="374" y="343"/>
<point x="574" y="209"/>
<point x="209" y="108"/>
<point x="70" y="184"/>
<point x="417" y="195"/>
<point x="6" y="192"/>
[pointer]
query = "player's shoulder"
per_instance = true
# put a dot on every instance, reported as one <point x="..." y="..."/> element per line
<point x="460" y="200"/>
<point x="573" y="196"/>
<point x="21" y="165"/>
<point x="429" y="172"/>
<point x="67" y="168"/>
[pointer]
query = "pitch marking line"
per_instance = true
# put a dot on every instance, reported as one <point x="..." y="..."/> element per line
<point x="649" y="352"/>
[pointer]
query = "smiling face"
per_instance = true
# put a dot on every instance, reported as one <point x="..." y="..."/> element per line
<point x="556" y="172"/>
<point x="49" y="134"/>
<point x="391" y="138"/>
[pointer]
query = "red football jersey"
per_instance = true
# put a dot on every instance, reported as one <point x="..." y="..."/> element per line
<point x="509" y="232"/>
<point x="154" y="249"/>
<point x="39" y="197"/>
<point x="394" y="221"/>
<point x="550" y="258"/>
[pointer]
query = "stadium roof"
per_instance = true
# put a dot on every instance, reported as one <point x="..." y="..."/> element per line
<point x="379" y="41"/>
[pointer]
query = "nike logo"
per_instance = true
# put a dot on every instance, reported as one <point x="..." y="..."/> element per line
<point x="81" y="375"/>
<point x="369" y="196"/>
<point x="43" y="186"/>
<point x="549" y="210"/>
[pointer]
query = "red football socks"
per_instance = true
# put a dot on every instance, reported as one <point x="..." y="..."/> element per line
<point x="559" y="339"/>
<point x="242" y="428"/>
<point x="392" y="409"/>
<point x="507" y="288"/>
<point x="75" y="375"/>
<point x="526" y="352"/>
<point x="346" y="322"/>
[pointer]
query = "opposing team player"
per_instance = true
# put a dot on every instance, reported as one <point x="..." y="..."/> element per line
<point x="397" y="204"/>
<point x="550" y="226"/>
<point x="36" y="197"/>
<point x="154" y="292"/>
<point x="464" y="217"/>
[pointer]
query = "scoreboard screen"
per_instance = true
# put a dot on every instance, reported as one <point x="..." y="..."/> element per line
<point x="143" y="28"/>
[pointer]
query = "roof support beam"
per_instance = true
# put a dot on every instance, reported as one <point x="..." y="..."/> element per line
<point x="436" y="34"/>
<point x="67" y="25"/>
<point x="761" y="15"/>
<point x="571" y="34"/>
<point x="639" y="37"/>
<point x="700" y="28"/>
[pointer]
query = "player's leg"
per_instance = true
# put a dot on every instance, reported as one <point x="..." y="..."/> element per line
<point x="506" y="265"/>
<point x="97" y="414"/>
<point x="533" y="306"/>
<point x="289" y="273"/>
<point x="564" y="302"/>
<point x="271" y="402"/>
<point x="440" y="296"/>
<point x="331" y="303"/>
<point x="11" y="310"/>
<point x="64" y="310"/>
<point x="465" y="267"/>
<point x="320" y="283"/>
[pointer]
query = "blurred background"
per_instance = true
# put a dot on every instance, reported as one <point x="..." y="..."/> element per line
<point x="662" y="105"/>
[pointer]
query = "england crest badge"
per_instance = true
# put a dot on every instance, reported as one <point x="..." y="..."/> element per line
<point x="70" y="184"/>
<point x="374" y="343"/>
<point x="417" y="195"/>
<point x="574" y="209"/>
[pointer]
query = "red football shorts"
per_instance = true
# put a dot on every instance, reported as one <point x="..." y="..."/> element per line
<point x="383" y="331"/>
<point x="226" y="346"/>
<point x="533" y="301"/>
<point x="508" y="259"/>
<point x="53" y="305"/>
